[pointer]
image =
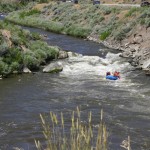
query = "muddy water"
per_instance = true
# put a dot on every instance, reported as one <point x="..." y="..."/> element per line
<point x="82" y="83"/>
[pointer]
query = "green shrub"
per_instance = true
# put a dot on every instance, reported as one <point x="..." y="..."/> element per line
<point x="52" y="52"/>
<point x="132" y="11"/>
<point x="106" y="10"/>
<point x="9" y="6"/>
<point x="36" y="36"/>
<point x="44" y="1"/>
<point x="14" y="66"/>
<point x="104" y="35"/>
<point x="4" y="47"/>
<point x="78" y="31"/>
<point x="142" y="21"/>
<point x="24" y="14"/>
<point x="30" y="61"/>
<point x="120" y="36"/>
<point x="147" y="22"/>
<point x="4" y="68"/>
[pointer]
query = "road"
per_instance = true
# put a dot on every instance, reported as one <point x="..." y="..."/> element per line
<point x="122" y="5"/>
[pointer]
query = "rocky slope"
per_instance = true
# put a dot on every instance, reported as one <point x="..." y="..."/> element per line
<point x="136" y="47"/>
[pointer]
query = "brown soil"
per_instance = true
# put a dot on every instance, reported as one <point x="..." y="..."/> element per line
<point x="7" y="35"/>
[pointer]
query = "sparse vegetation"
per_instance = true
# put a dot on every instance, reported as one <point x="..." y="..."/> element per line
<point x="31" y="12"/>
<point x="76" y="135"/>
<point x="83" y="19"/>
<point x="131" y="11"/>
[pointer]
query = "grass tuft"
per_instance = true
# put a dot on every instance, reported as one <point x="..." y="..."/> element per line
<point x="75" y="136"/>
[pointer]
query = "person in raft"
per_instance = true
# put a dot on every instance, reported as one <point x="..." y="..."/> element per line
<point x="115" y="76"/>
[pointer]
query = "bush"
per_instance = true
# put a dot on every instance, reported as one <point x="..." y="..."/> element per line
<point x="120" y="36"/>
<point x="106" y="10"/>
<point x="77" y="31"/>
<point x="104" y="35"/>
<point x="31" y="61"/>
<point x="14" y="66"/>
<point x="4" y="47"/>
<point x="52" y="52"/>
<point x="131" y="11"/>
<point x="24" y="14"/>
<point x="4" y="68"/>
<point x="9" y="6"/>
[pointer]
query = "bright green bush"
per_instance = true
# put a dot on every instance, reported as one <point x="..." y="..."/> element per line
<point x="104" y="35"/>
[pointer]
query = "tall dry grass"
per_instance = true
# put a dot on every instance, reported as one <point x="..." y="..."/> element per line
<point x="78" y="136"/>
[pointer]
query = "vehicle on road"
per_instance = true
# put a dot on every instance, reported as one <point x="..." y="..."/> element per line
<point x="145" y="3"/>
<point x="96" y="2"/>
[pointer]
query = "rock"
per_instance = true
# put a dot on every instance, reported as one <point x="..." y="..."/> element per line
<point x="126" y="54"/>
<point x="138" y="39"/>
<point x="72" y="54"/>
<point x="62" y="54"/>
<point x="53" y="67"/>
<point x="146" y="64"/>
<point x="24" y="48"/>
<point x="127" y="45"/>
<point x="26" y="70"/>
<point x="7" y="35"/>
<point x="147" y="71"/>
<point x="15" y="72"/>
<point x="134" y="47"/>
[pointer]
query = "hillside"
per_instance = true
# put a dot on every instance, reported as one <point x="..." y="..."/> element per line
<point x="123" y="28"/>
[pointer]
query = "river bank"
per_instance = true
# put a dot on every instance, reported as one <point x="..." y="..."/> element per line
<point x="22" y="51"/>
<point x="123" y="28"/>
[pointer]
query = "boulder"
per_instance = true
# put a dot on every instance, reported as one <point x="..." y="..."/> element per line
<point x="72" y="54"/>
<point x="53" y="67"/>
<point x="26" y="70"/>
<point x="126" y="54"/>
<point x="146" y="64"/>
<point x="138" y="39"/>
<point x="62" y="54"/>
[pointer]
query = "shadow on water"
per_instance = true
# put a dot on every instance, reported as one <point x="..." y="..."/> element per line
<point x="82" y="83"/>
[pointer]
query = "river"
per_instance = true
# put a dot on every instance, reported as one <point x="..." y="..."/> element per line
<point x="126" y="102"/>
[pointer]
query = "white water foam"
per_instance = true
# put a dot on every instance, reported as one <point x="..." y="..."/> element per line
<point x="95" y="68"/>
<point x="94" y="65"/>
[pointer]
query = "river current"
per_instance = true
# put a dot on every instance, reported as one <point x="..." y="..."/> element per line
<point x="126" y="102"/>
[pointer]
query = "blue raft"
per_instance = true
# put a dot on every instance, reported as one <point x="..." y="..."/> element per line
<point x="110" y="77"/>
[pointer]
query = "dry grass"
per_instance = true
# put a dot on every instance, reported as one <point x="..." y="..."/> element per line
<point x="121" y="1"/>
<point x="9" y="1"/>
<point x="79" y="136"/>
<point x="40" y="6"/>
